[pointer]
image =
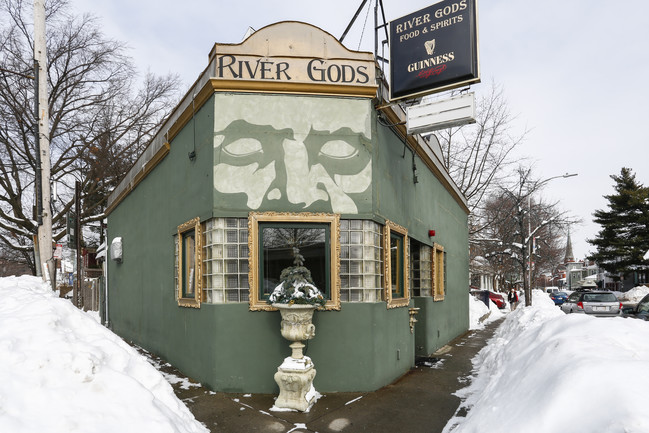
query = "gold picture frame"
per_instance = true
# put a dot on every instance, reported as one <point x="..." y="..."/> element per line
<point x="438" y="272"/>
<point x="254" y="218"/>
<point x="387" y="266"/>
<point x="195" y="301"/>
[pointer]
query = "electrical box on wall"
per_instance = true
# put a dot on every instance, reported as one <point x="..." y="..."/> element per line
<point x="116" y="249"/>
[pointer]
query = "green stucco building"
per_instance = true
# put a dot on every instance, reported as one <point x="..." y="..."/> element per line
<point x="286" y="141"/>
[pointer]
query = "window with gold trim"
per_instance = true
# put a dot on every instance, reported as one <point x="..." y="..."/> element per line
<point x="395" y="247"/>
<point x="439" y="271"/>
<point x="273" y="239"/>
<point x="189" y="264"/>
<point x="421" y="269"/>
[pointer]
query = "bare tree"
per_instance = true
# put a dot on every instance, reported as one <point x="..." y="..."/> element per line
<point x="515" y="219"/>
<point x="478" y="156"/>
<point x="100" y="118"/>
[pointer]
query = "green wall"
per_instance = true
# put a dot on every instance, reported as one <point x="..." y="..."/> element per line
<point x="227" y="347"/>
<point x="141" y="297"/>
<point x="423" y="206"/>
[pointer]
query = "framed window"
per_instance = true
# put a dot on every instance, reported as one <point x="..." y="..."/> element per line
<point x="274" y="238"/>
<point x="189" y="264"/>
<point x="421" y="269"/>
<point x="439" y="271"/>
<point x="395" y="261"/>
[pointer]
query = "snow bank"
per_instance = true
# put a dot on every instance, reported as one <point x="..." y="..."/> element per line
<point x="634" y="295"/>
<point x="478" y="309"/>
<point x="61" y="371"/>
<point x="544" y="371"/>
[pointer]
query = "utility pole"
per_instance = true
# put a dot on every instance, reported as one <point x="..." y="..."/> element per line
<point x="77" y="294"/>
<point x="43" y="143"/>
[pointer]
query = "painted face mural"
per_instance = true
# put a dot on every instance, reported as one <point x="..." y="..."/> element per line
<point x="294" y="151"/>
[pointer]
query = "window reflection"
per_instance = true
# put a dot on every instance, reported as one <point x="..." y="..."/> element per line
<point x="189" y="263"/>
<point x="278" y="242"/>
<point x="396" y="267"/>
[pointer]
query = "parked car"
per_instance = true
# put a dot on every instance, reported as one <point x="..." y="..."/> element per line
<point x="487" y="295"/>
<point x="558" y="297"/>
<point x="497" y="298"/>
<point x="596" y="303"/>
<point x="640" y="311"/>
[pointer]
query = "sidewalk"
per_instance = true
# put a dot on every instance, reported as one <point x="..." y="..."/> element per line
<point x="420" y="401"/>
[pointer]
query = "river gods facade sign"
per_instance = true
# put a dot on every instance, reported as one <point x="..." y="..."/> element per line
<point x="293" y="57"/>
<point x="434" y="49"/>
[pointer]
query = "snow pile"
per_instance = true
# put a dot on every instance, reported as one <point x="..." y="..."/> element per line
<point x="634" y="295"/>
<point x="548" y="372"/>
<point x="477" y="311"/>
<point x="61" y="371"/>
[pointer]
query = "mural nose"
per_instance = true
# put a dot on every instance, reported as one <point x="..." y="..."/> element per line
<point x="301" y="186"/>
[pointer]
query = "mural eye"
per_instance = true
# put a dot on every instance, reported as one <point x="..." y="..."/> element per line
<point x="244" y="147"/>
<point x="338" y="149"/>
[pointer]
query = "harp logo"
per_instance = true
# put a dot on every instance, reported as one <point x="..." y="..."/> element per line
<point x="430" y="47"/>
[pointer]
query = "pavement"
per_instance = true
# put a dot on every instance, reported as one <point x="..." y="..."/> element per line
<point x="420" y="401"/>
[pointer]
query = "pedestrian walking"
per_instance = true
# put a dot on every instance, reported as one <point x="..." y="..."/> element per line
<point x="512" y="298"/>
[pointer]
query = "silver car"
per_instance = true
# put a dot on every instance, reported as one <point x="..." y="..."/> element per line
<point x="596" y="303"/>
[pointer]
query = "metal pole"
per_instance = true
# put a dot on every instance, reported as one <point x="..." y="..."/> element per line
<point x="77" y="207"/>
<point x="376" y="30"/>
<point x="529" y="244"/>
<point x="529" y="229"/>
<point x="351" y="23"/>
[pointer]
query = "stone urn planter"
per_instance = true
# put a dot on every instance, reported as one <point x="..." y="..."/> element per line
<point x="295" y="375"/>
<point x="297" y="325"/>
<point x="296" y="297"/>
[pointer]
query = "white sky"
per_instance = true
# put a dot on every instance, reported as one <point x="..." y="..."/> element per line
<point x="571" y="72"/>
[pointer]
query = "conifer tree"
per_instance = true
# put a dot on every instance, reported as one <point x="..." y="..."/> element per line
<point x="624" y="238"/>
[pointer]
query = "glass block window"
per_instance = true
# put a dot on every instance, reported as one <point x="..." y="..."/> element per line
<point x="225" y="260"/>
<point x="421" y="269"/>
<point x="361" y="266"/>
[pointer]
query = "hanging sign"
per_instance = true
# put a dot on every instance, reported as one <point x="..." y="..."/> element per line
<point x="434" y="115"/>
<point x="434" y="49"/>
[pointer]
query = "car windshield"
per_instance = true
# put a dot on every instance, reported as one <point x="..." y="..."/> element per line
<point x="599" y="297"/>
<point x="643" y="307"/>
<point x="562" y="294"/>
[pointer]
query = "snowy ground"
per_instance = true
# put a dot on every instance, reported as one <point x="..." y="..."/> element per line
<point x="61" y="371"/>
<point x="480" y="314"/>
<point x="544" y="371"/>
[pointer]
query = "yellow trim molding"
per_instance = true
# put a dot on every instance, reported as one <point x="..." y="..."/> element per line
<point x="255" y="218"/>
<point x="387" y="270"/>
<point x="195" y="301"/>
<point x="438" y="272"/>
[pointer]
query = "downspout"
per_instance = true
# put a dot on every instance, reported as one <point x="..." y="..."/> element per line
<point x="106" y="260"/>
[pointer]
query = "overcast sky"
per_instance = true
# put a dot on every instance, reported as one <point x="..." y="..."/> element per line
<point x="572" y="72"/>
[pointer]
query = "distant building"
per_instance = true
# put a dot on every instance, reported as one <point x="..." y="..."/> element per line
<point x="10" y="267"/>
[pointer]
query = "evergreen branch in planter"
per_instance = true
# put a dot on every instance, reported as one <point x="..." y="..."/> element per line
<point x="297" y="286"/>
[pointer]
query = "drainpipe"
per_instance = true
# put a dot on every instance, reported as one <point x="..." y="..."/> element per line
<point x="106" y="318"/>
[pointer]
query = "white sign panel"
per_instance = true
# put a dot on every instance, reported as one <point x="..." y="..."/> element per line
<point x="446" y="113"/>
